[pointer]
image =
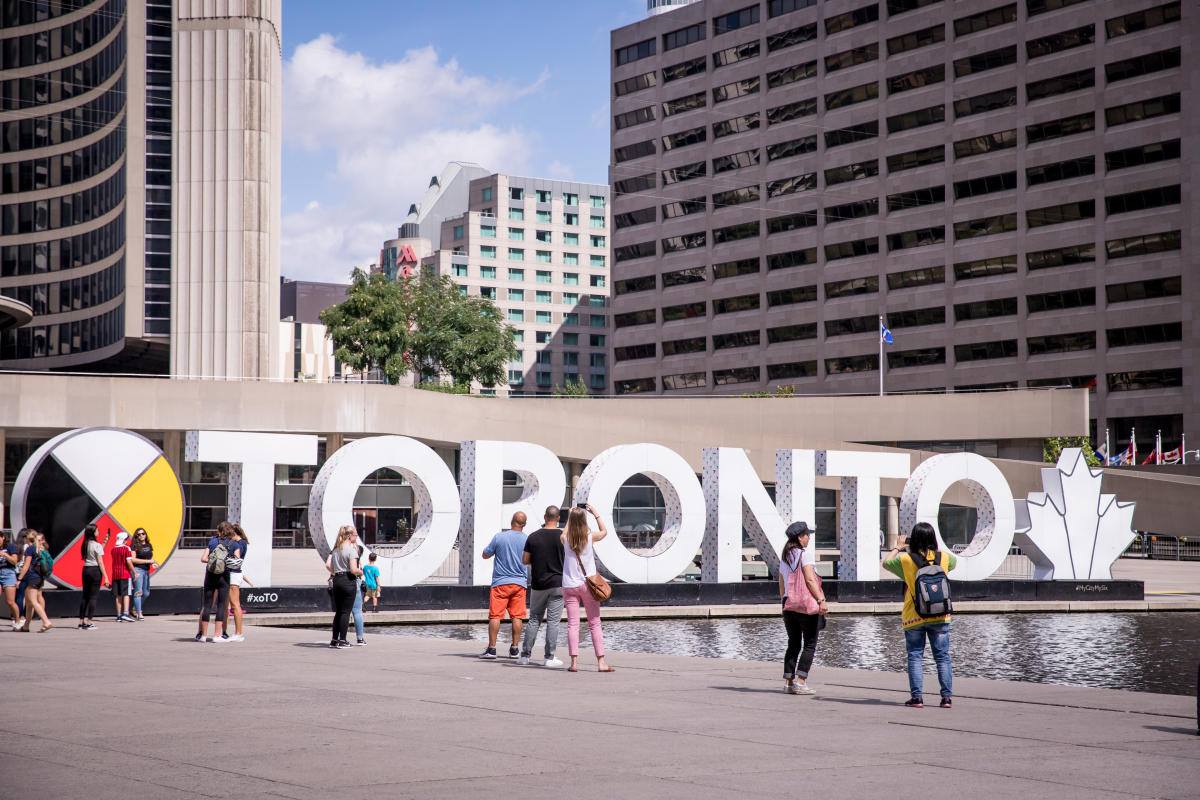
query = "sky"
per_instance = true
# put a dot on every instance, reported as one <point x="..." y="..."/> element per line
<point x="378" y="95"/>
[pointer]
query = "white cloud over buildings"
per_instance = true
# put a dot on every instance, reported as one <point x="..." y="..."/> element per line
<point x="384" y="127"/>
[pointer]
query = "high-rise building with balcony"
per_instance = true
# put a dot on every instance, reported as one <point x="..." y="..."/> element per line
<point x="140" y="208"/>
<point x="1006" y="183"/>
<point x="539" y="250"/>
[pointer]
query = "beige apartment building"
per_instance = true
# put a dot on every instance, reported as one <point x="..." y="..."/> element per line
<point x="139" y="170"/>
<point x="1007" y="183"/>
<point x="539" y="250"/>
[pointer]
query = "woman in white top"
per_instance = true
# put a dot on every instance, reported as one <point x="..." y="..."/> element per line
<point x="802" y="628"/>
<point x="579" y="562"/>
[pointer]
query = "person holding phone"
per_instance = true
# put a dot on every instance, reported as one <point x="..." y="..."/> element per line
<point x="579" y="562"/>
<point x="922" y="543"/>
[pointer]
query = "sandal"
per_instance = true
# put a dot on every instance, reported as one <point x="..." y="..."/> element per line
<point x="572" y="669"/>
<point x="607" y="669"/>
<point x="46" y="627"/>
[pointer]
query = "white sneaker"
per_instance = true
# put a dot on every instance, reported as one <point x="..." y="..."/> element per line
<point x="19" y="623"/>
<point x="552" y="662"/>
<point x="237" y="638"/>
<point x="218" y="639"/>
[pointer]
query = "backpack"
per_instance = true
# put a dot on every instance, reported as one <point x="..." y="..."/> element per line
<point x="44" y="564"/>
<point x="216" y="559"/>
<point x="931" y="587"/>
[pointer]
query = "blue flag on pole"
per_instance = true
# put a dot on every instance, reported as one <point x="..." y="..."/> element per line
<point x="884" y="333"/>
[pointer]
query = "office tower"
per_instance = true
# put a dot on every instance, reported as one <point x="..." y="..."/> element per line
<point x="229" y="149"/>
<point x="1005" y="183"/>
<point x="91" y="110"/>
<point x="538" y="249"/>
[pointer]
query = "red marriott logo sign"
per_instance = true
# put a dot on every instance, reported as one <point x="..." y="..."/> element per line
<point x="406" y="260"/>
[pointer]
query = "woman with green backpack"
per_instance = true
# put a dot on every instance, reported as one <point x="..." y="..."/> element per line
<point x="216" y="584"/>
<point x="37" y="567"/>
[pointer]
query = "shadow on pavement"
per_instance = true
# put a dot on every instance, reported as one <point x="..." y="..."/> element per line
<point x="1165" y="729"/>
<point x="746" y="690"/>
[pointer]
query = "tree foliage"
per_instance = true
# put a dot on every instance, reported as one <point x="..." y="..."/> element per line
<point x="573" y="387"/>
<point x="421" y="325"/>
<point x="1053" y="447"/>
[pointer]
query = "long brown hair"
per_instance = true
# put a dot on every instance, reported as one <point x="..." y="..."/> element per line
<point x="89" y="536"/>
<point x="225" y="530"/>
<point x="240" y="532"/>
<point x="577" y="530"/>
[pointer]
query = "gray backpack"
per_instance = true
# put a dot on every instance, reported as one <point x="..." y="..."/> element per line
<point x="216" y="559"/>
<point x="931" y="587"/>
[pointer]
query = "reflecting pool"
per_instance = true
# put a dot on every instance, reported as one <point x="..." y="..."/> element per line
<point x="1155" y="652"/>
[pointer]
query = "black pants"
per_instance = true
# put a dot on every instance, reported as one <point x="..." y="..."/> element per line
<point x="802" y="632"/>
<point x="344" y="588"/>
<point x="216" y="599"/>
<point x="91" y="590"/>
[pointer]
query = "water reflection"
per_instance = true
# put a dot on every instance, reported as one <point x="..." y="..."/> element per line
<point x="1142" y="652"/>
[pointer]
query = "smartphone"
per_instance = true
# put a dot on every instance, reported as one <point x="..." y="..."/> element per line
<point x="581" y="505"/>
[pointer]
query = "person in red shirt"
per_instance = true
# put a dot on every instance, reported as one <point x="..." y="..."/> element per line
<point x="122" y="577"/>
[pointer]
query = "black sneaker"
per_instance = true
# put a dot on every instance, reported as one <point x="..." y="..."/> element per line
<point x="914" y="702"/>
<point x="489" y="653"/>
<point x="343" y="644"/>
<point x="514" y="652"/>
<point x="198" y="638"/>
<point x="333" y="645"/>
<point x="945" y="702"/>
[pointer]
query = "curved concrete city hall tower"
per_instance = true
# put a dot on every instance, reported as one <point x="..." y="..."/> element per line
<point x="228" y="150"/>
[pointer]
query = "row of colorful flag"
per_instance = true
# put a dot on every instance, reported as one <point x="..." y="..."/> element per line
<point x="1129" y="455"/>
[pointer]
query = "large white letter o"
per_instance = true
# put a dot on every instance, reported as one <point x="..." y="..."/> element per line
<point x="683" y="529"/>
<point x="331" y="503"/>
<point x="996" y="514"/>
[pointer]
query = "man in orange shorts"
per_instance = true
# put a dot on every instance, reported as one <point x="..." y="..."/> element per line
<point x="508" y="584"/>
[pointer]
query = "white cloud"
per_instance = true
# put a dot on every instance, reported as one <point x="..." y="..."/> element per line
<point x="389" y="126"/>
<point x="560" y="171"/>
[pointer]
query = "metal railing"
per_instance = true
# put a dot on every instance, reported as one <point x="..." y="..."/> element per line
<point x="1164" y="548"/>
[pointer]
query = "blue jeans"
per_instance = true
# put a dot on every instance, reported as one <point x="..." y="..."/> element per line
<point x="939" y="643"/>
<point x="356" y="609"/>
<point x="141" y="587"/>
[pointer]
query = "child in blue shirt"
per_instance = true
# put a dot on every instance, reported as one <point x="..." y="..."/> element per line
<point x="371" y="582"/>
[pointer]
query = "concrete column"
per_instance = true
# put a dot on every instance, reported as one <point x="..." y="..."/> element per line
<point x="893" y="522"/>
<point x="173" y="448"/>
<point x="3" y="493"/>
<point x="333" y="443"/>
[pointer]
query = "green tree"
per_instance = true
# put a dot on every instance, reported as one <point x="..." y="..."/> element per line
<point x="372" y="327"/>
<point x="573" y="387"/>
<point x="1053" y="447"/>
<point x="422" y="325"/>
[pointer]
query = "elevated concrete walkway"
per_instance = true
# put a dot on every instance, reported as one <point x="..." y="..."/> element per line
<point x="140" y="710"/>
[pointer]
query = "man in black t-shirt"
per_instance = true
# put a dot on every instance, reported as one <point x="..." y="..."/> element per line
<point x="544" y="555"/>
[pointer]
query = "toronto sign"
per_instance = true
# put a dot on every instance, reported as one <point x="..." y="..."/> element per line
<point x="120" y="480"/>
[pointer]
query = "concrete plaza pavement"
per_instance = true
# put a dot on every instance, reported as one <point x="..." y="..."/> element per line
<point x="141" y="710"/>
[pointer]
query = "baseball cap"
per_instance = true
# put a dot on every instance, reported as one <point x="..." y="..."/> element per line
<point x="121" y="537"/>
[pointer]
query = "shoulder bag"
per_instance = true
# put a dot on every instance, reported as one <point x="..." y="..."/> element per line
<point x="600" y="589"/>
<point x="799" y="598"/>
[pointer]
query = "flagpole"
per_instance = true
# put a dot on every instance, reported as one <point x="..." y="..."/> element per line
<point x="1107" y="452"/>
<point x="1183" y="448"/>
<point x="1133" y="444"/>
<point x="881" y="355"/>
<point x="1158" y="448"/>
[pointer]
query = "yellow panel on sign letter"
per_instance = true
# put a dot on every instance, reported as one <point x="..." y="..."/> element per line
<point x="153" y="502"/>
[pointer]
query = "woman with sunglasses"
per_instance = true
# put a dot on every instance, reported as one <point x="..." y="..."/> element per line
<point x="143" y="562"/>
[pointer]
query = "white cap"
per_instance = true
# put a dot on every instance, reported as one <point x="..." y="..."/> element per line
<point x="122" y="536"/>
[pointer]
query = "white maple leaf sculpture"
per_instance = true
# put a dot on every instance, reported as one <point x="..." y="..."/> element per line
<point x="1071" y="531"/>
